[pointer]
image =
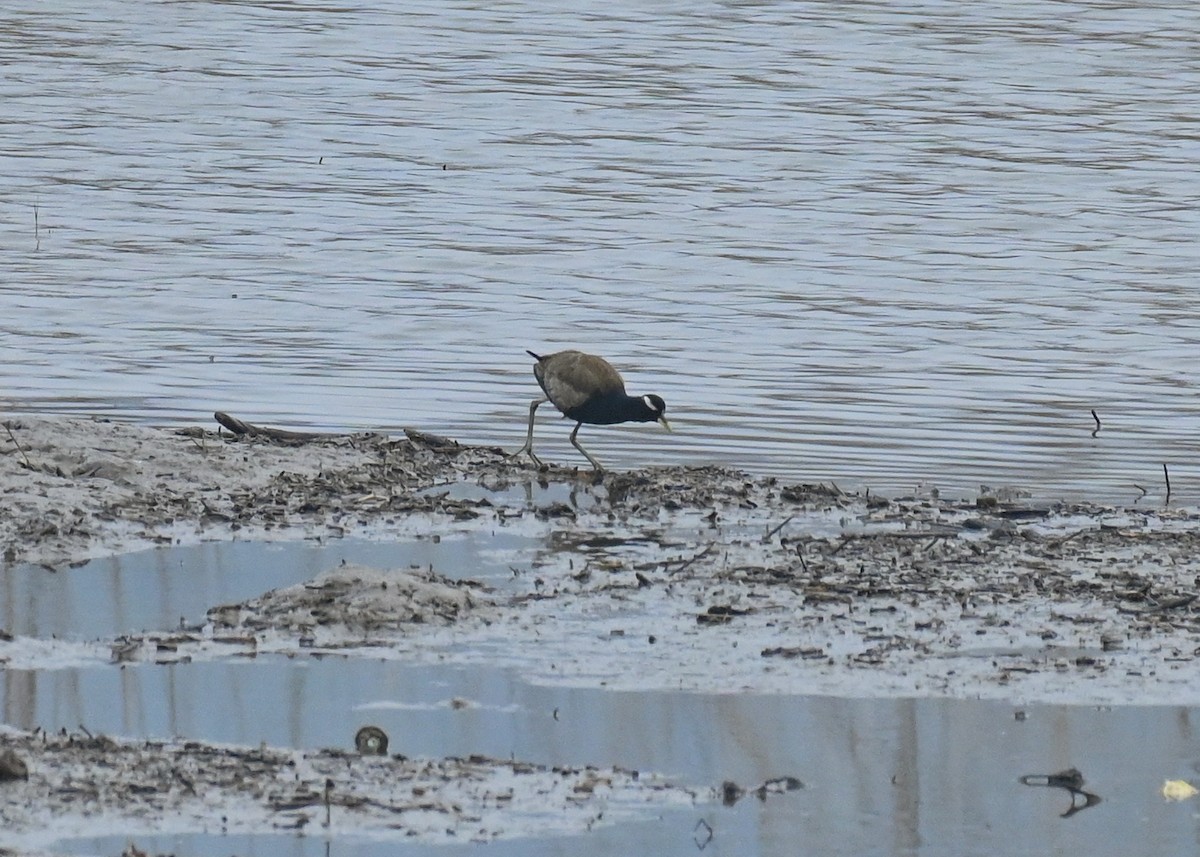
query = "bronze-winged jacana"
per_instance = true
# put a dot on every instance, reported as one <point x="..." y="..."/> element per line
<point x="587" y="389"/>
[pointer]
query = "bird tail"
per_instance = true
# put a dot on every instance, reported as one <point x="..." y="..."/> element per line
<point x="536" y="357"/>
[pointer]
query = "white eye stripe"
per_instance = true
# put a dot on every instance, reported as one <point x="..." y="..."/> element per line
<point x="649" y="404"/>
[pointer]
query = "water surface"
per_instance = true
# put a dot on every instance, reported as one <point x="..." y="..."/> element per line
<point x="870" y="243"/>
<point x="888" y="776"/>
<point x="923" y="778"/>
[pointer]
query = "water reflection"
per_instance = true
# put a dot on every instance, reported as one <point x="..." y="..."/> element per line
<point x="872" y="244"/>
<point x="887" y="776"/>
<point x="163" y="589"/>
<point x="1070" y="781"/>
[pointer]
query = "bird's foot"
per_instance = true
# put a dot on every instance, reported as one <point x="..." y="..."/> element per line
<point x="595" y="476"/>
<point x="527" y="451"/>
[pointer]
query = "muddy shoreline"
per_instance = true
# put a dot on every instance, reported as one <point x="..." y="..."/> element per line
<point x="701" y="579"/>
<point x="186" y="786"/>
<point x="993" y="591"/>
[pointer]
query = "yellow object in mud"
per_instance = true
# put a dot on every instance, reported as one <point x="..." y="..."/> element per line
<point x="1179" y="790"/>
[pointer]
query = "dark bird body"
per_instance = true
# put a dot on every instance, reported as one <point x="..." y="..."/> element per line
<point x="587" y="389"/>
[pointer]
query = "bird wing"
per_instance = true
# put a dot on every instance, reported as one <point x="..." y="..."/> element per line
<point x="570" y="378"/>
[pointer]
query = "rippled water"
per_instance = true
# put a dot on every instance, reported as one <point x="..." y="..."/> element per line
<point x="868" y="242"/>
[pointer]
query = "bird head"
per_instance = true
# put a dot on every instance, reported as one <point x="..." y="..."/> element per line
<point x="655" y="408"/>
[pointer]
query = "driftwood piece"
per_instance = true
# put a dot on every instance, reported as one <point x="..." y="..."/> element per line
<point x="245" y="429"/>
<point x="433" y="441"/>
<point x="240" y="427"/>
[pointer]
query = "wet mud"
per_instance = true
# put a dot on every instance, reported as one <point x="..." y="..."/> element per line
<point x="667" y="578"/>
<point x="82" y="784"/>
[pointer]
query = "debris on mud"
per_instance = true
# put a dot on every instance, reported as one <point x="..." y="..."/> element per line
<point x="737" y="582"/>
<point x="731" y="792"/>
<point x="1071" y="781"/>
<point x="78" y="488"/>
<point x="78" y="784"/>
<point x="12" y="766"/>
<point x="352" y="598"/>
<point x="677" y="578"/>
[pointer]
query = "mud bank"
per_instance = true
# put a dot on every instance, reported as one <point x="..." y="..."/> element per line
<point x="82" y="785"/>
<point x="704" y="577"/>
<point x="74" y="489"/>
<point x="701" y="579"/>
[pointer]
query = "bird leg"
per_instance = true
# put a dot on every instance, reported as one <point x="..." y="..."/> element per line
<point x="586" y="454"/>
<point x="528" y="447"/>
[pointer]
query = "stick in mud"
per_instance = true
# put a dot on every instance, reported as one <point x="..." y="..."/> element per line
<point x="1167" y="476"/>
<point x="697" y="556"/>
<point x="772" y="532"/>
<point x="20" y="449"/>
<point x="1096" y="430"/>
<point x="241" y="427"/>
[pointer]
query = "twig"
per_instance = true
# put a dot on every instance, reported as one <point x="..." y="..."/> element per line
<point x="771" y="533"/>
<point x="37" y="235"/>
<point x="1059" y="542"/>
<point x="1167" y="476"/>
<point x="1160" y="607"/>
<point x="1096" y="430"/>
<point x="695" y="557"/>
<point x="1176" y="602"/>
<point x="845" y="540"/>
<point x="240" y="427"/>
<point x="13" y="437"/>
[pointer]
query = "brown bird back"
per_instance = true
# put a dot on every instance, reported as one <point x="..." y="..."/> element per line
<point x="570" y="378"/>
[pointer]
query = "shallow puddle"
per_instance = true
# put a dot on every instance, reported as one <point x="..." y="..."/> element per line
<point x="671" y="836"/>
<point x="882" y="776"/>
<point x="921" y="777"/>
<point x="162" y="588"/>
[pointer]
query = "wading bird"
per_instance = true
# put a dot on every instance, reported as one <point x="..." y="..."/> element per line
<point x="587" y="389"/>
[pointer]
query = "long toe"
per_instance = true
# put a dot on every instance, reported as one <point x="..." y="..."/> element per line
<point x="525" y="450"/>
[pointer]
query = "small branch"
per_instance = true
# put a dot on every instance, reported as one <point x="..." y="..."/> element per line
<point x="1096" y="430"/>
<point x="1167" y="476"/>
<point x="695" y="557"/>
<point x="771" y="533"/>
<point x="433" y="441"/>
<point x="842" y="542"/>
<point x="1176" y="602"/>
<point x="1160" y="606"/>
<point x="800" y="556"/>
<point x="20" y="449"/>
<point x="239" y="427"/>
